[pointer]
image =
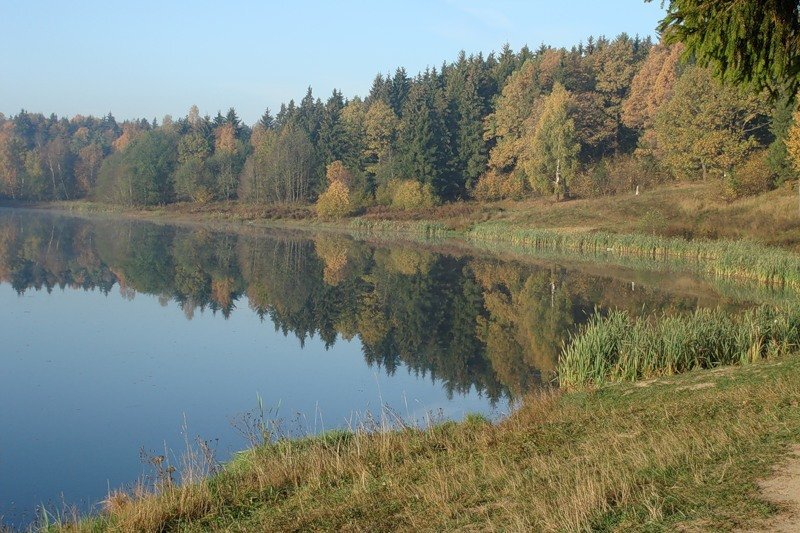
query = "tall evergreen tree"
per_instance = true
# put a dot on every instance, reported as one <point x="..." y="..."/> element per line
<point x="398" y="90"/>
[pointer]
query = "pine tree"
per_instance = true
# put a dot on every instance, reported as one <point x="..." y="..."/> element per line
<point x="233" y="119"/>
<point x="424" y="140"/>
<point x="398" y="90"/>
<point x="332" y="141"/>
<point x="267" y="121"/>
<point x="753" y="42"/>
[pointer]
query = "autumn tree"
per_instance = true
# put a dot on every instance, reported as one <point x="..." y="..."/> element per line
<point x="381" y="127"/>
<point x="87" y="166"/>
<point x="506" y="127"/>
<point x="12" y="161"/>
<point x="793" y="147"/>
<point x="142" y="174"/>
<point x="282" y="168"/>
<point x="550" y="157"/>
<point x="707" y="128"/>
<point x="337" y="200"/>
<point x="228" y="159"/>
<point x="651" y="87"/>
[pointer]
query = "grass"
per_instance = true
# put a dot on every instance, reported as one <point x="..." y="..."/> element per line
<point x="618" y="347"/>
<point x="719" y="258"/>
<point x="623" y="457"/>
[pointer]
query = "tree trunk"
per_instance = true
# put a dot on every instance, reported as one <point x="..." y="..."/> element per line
<point x="558" y="179"/>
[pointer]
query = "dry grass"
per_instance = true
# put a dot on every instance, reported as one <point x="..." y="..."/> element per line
<point x="621" y="458"/>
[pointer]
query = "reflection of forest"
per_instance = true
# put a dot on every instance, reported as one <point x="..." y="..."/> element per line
<point x="469" y="322"/>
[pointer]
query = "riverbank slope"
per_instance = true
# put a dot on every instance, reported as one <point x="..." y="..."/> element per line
<point x="689" y="211"/>
<point x="624" y="457"/>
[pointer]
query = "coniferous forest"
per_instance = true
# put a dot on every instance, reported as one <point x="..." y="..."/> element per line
<point x="603" y="117"/>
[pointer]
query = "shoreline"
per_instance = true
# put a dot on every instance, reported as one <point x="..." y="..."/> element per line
<point x="740" y="260"/>
<point x="623" y="456"/>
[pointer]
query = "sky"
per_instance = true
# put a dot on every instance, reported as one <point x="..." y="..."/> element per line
<point x="151" y="58"/>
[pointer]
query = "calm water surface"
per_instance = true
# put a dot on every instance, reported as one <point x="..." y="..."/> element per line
<point x="122" y="337"/>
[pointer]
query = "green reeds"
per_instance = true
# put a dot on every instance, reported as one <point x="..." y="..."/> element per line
<point x="721" y="258"/>
<point x="619" y="347"/>
<point x="422" y="228"/>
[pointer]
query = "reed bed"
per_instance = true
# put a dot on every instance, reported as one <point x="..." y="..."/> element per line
<point x="619" y="347"/>
<point x="722" y="258"/>
<point x="420" y="228"/>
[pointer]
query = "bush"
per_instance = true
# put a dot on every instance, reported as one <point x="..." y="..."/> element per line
<point x="753" y="177"/>
<point x="410" y="194"/>
<point x="618" y="175"/>
<point x="335" y="202"/>
<point x="493" y="186"/>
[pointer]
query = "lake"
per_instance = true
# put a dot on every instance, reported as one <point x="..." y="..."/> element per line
<point x="125" y="340"/>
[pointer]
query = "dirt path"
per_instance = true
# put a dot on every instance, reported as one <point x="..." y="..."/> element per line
<point x="783" y="489"/>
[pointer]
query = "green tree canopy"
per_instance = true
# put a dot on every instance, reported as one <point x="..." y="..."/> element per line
<point x="755" y="42"/>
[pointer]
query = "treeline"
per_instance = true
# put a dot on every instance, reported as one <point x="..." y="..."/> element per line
<point x="470" y="322"/>
<point x="600" y="118"/>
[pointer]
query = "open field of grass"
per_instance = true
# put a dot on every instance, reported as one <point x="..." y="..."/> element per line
<point x="628" y="457"/>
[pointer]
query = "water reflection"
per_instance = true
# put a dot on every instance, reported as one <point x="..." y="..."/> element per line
<point x="324" y="325"/>
<point x="469" y="322"/>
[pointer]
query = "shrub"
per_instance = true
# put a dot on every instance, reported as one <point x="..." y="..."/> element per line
<point x="493" y="186"/>
<point x="411" y="194"/>
<point x="335" y="202"/>
<point x="617" y="175"/>
<point x="754" y="176"/>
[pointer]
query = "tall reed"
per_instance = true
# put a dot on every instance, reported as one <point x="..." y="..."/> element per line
<point x="421" y="228"/>
<point x="732" y="259"/>
<point x="619" y="347"/>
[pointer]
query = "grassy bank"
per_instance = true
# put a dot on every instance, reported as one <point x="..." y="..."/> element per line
<point x="625" y="457"/>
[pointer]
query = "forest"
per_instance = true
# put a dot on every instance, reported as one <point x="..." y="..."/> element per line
<point x="604" y="117"/>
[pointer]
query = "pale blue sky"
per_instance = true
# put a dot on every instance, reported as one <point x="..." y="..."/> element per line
<point x="150" y="58"/>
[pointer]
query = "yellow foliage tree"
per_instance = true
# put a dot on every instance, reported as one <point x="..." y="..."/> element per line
<point x="335" y="202"/>
<point x="336" y="171"/>
<point x="225" y="137"/>
<point x="411" y="194"/>
<point x="793" y="147"/>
